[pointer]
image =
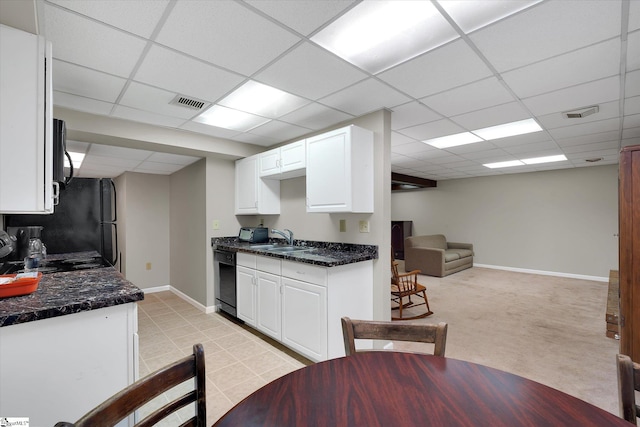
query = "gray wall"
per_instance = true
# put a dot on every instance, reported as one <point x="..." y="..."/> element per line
<point x="560" y="221"/>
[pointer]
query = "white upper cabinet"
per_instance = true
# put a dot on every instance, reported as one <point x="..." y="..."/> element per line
<point x="284" y="162"/>
<point x="26" y="122"/>
<point x="340" y="171"/>
<point x="253" y="194"/>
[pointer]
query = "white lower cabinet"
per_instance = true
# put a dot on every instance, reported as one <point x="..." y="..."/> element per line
<point x="304" y="318"/>
<point x="301" y="304"/>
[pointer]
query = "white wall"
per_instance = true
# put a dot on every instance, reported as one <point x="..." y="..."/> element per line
<point x="143" y="228"/>
<point x="560" y="221"/>
<point x="187" y="207"/>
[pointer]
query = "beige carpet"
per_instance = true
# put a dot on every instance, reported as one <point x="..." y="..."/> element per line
<point x="548" y="329"/>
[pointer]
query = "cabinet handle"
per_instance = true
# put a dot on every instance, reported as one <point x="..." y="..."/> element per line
<point x="56" y="193"/>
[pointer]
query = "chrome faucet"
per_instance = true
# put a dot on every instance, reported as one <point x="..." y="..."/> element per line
<point x="288" y="238"/>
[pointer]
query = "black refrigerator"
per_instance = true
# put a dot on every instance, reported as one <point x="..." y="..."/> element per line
<point x="83" y="220"/>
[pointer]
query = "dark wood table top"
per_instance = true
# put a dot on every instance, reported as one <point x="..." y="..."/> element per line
<point x="404" y="389"/>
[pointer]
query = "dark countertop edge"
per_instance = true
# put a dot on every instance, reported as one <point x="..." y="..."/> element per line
<point x="346" y="253"/>
<point x="72" y="308"/>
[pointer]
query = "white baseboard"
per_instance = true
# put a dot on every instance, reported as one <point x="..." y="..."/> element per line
<point x="187" y="298"/>
<point x="545" y="273"/>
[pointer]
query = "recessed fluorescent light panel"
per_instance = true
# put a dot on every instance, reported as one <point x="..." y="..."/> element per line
<point x="257" y="98"/>
<point x="547" y="159"/>
<point x="228" y="118"/>
<point x="76" y="158"/>
<point x="506" y="164"/>
<point x="453" y="140"/>
<point x="376" y="35"/>
<point x="508" y="129"/>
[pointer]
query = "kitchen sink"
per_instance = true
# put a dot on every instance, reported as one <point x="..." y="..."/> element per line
<point x="266" y="246"/>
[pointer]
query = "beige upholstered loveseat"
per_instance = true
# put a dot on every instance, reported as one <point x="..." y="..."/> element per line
<point x="434" y="256"/>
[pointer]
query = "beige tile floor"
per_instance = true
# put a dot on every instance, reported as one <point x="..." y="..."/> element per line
<point x="238" y="360"/>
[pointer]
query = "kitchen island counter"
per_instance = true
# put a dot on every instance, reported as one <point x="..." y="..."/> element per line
<point x="61" y="294"/>
<point x="324" y="254"/>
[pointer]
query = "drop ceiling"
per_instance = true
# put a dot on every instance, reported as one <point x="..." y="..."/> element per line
<point x="501" y="61"/>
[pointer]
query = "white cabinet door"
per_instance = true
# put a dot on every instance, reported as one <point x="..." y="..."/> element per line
<point x="246" y="295"/>
<point x="293" y="157"/>
<point x="253" y="194"/>
<point x="270" y="163"/>
<point x="268" y="302"/>
<point x="340" y="171"/>
<point x="304" y="318"/>
<point x="26" y="144"/>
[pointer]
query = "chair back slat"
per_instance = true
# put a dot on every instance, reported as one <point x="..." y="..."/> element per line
<point x="628" y="383"/>
<point x="365" y="329"/>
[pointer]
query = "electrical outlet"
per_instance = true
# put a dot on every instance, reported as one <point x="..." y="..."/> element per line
<point x="148" y="266"/>
<point x="216" y="224"/>
<point x="343" y="225"/>
<point x="364" y="226"/>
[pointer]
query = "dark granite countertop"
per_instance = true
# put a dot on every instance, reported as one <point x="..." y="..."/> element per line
<point x="59" y="294"/>
<point x="325" y="254"/>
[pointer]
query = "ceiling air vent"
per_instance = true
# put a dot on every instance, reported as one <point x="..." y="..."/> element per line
<point x="188" y="102"/>
<point x="583" y="112"/>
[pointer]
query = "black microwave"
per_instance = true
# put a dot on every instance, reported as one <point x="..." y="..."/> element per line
<point x="254" y="234"/>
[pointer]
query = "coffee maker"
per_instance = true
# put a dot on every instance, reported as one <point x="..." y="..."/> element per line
<point x="25" y="241"/>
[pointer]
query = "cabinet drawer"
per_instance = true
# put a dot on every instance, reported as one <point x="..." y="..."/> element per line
<point x="247" y="260"/>
<point x="305" y="272"/>
<point x="269" y="264"/>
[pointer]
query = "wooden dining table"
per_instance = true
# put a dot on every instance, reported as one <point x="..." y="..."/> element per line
<point x="407" y="389"/>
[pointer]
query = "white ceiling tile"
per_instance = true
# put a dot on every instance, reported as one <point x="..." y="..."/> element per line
<point x="139" y="17"/>
<point x="475" y="96"/>
<point x="596" y="146"/>
<point x="100" y="171"/>
<point x="399" y="139"/>
<point x="586" y="128"/>
<point x="173" y="71"/>
<point x="315" y="116"/>
<point x="154" y="100"/>
<point x="77" y="146"/>
<point x="634" y="15"/>
<point x="412" y="148"/>
<point x="546" y="30"/>
<point x="472" y="16"/>
<point x="434" y="155"/>
<point x="364" y="97"/>
<point x="444" y="68"/>
<point x="544" y="146"/>
<point x="174" y="159"/>
<point x="90" y="44"/>
<point x="632" y="105"/>
<point x="607" y="110"/>
<point x="119" y="152"/>
<point x="279" y="130"/>
<point x="135" y="115"/>
<point x="209" y="130"/>
<point x="632" y="121"/>
<point x="588" y="139"/>
<point x="91" y="160"/>
<point x="432" y="130"/>
<point x="81" y="81"/>
<point x="633" y="51"/>
<point x="632" y="84"/>
<point x="157" y="167"/>
<point x="304" y="16"/>
<point x="225" y="33"/>
<point x="411" y="114"/>
<point x="631" y="134"/>
<point x="581" y="66"/>
<point x="311" y="72"/>
<point x="527" y="138"/>
<point x="73" y="102"/>
<point x="574" y="97"/>
<point x="250" y="138"/>
<point x="491" y="116"/>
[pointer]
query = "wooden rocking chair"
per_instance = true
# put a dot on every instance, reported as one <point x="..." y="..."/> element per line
<point x="406" y="285"/>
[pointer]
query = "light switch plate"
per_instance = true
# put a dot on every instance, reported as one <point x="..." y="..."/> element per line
<point x="216" y="224"/>
<point x="364" y="226"/>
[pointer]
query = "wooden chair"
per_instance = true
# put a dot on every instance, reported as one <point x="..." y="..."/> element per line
<point x="404" y="286"/>
<point x="628" y="383"/>
<point x="130" y="399"/>
<point x="393" y="331"/>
